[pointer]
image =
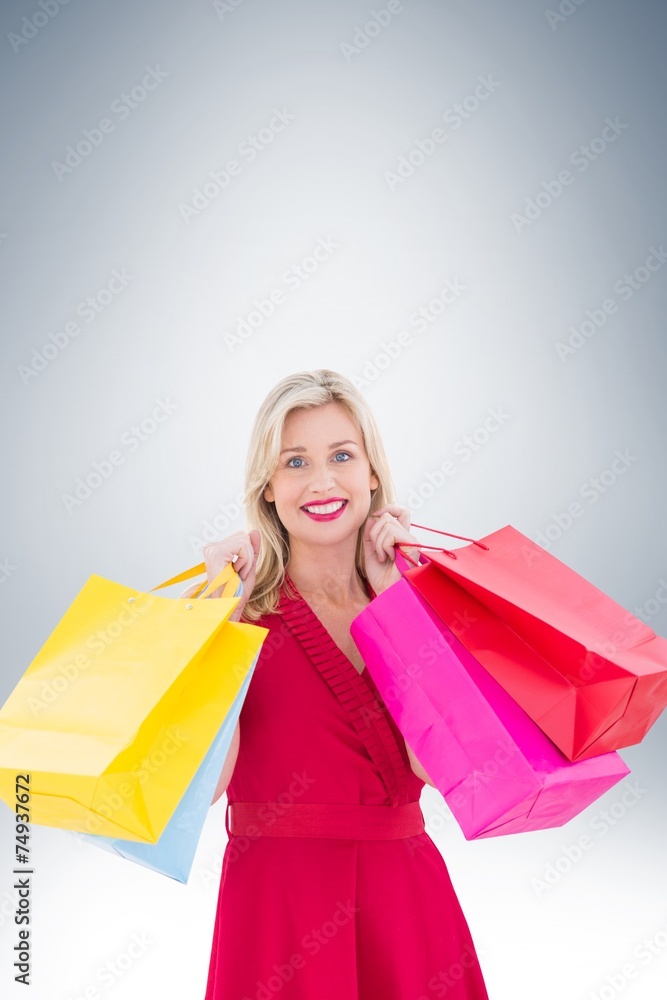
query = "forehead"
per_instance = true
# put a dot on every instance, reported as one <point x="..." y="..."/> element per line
<point x="312" y="422"/>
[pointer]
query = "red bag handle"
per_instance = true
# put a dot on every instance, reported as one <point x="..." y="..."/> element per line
<point x="420" y="545"/>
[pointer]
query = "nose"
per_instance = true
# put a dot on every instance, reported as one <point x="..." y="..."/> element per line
<point x="323" y="479"/>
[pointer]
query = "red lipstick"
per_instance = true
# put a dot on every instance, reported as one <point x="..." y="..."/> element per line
<point x="323" y="503"/>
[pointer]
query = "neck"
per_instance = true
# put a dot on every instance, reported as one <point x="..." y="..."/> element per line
<point x="326" y="573"/>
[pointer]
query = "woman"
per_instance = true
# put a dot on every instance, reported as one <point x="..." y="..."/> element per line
<point x="330" y="887"/>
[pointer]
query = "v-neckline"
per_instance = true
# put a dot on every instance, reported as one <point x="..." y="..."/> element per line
<point x="355" y="691"/>
<point x="361" y="673"/>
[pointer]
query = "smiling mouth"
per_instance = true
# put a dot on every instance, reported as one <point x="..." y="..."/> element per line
<point x="324" y="508"/>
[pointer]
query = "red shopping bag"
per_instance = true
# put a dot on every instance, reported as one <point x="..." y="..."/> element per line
<point x="586" y="670"/>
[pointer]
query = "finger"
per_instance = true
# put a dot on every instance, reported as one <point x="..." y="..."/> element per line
<point x="396" y="513"/>
<point x="392" y="533"/>
<point x="217" y="567"/>
<point x="250" y="553"/>
<point x="388" y="541"/>
<point x="374" y="532"/>
<point x="402" y="515"/>
<point x="240" y="562"/>
<point x="369" y="527"/>
<point x="384" y="541"/>
<point x="247" y="559"/>
<point x="377" y="531"/>
<point x="396" y="509"/>
<point x="381" y="521"/>
<point x="380" y="517"/>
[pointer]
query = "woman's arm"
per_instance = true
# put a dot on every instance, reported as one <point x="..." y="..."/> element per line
<point x="232" y="753"/>
<point x="417" y="768"/>
<point x="229" y="765"/>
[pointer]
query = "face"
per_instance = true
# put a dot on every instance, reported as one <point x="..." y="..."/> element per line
<point x="322" y="458"/>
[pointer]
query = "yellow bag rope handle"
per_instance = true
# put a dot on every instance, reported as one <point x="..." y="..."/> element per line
<point x="226" y="575"/>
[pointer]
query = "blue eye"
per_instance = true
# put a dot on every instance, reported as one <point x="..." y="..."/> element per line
<point x="297" y="458"/>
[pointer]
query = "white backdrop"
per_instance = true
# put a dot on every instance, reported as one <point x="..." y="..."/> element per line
<point x="458" y="204"/>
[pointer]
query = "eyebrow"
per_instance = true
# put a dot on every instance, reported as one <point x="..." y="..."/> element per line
<point x="336" y="444"/>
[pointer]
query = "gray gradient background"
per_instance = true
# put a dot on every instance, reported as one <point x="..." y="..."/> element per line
<point x="163" y="337"/>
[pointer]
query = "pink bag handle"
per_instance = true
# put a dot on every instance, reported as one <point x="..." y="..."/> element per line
<point x="420" y="545"/>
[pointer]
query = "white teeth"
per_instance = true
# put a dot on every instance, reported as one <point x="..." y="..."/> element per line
<point x="327" y="508"/>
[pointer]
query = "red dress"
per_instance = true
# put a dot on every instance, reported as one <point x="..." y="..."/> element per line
<point x="330" y="918"/>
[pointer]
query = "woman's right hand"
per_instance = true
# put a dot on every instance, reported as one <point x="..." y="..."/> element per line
<point x="243" y="544"/>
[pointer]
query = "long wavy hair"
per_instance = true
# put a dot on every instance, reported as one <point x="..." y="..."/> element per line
<point x="302" y="390"/>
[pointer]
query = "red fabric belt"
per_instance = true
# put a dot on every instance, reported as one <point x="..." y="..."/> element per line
<point x="324" y="819"/>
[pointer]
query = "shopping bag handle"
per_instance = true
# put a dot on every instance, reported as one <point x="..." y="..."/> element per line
<point x="420" y="545"/>
<point x="224" y="576"/>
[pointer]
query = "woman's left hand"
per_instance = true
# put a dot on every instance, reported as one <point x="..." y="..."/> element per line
<point x="383" y="528"/>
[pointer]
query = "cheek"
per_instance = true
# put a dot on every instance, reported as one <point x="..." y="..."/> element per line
<point x="361" y="480"/>
<point x="287" y="493"/>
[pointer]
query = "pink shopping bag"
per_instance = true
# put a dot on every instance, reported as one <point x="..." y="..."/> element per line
<point x="496" y="769"/>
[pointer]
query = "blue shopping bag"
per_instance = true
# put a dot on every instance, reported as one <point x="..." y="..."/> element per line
<point x="174" y="852"/>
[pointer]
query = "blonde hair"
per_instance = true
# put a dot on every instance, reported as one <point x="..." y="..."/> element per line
<point x="299" y="391"/>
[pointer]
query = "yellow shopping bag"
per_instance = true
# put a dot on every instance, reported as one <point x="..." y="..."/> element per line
<point x="113" y="717"/>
